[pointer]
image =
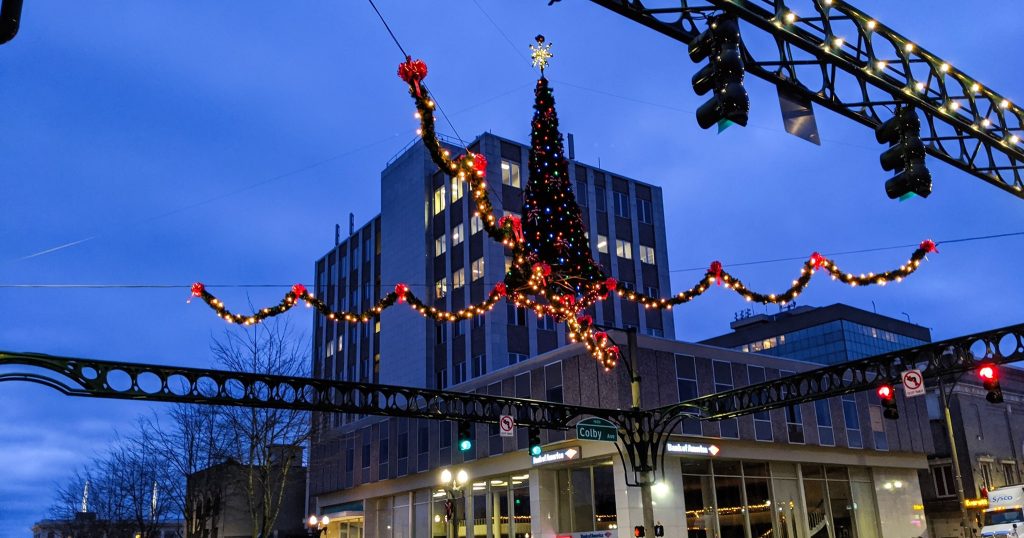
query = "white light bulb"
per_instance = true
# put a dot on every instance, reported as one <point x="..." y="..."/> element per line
<point x="909" y="47"/>
<point x="872" y="25"/>
<point x="462" y="477"/>
<point x="446" y="476"/>
<point x="790" y="17"/>
<point x="838" y="42"/>
<point x="944" y="68"/>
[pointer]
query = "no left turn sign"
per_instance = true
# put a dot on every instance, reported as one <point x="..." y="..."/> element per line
<point x="913" y="383"/>
<point x="506" y="426"/>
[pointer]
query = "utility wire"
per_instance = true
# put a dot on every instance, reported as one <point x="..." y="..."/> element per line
<point x="739" y="264"/>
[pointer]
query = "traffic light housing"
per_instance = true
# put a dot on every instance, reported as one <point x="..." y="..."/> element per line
<point x="905" y="155"/>
<point x="990" y="380"/>
<point x="720" y="45"/>
<point x="887" y="393"/>
<point x="535" y="448"/>
<point x="465" y="436"/>
<point x="659" y="530"/>
<point x="639" y="531"/>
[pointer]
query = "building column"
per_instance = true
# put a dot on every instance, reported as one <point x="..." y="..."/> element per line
<point x="668" y="501"/>
<point x="543" y="503"/>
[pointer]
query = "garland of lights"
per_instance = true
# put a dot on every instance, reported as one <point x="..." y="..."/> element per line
<point x="552" y="271"/>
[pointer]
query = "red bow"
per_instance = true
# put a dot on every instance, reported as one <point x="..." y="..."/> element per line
<point x="197" y="291"/>
<point x="585" y="320"/>
<point x="500" y="289"/>
<point x="613" y="350"/>
<point x="479" y="162"/>
<point x="400" y="291"/>
<point x="716" y="270"/>
<point x="600" y="336"/>
<point x="412" y="72"/>
<point x="816" y="260"/>
<point x="299" y="290"/>
<point x="610" y="284"/>
<point x="517" y="226"/>
<point x="567" y="300"/>
<point x="928" y="246"/>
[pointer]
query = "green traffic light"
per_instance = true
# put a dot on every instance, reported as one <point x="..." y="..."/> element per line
<point x="535" y="450"/>
<point x="465" y="445"/>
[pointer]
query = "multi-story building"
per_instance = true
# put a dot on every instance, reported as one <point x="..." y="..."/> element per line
<point x="428" y="238"/>
<point x="825" y="335"/>
<point x="826" y="469"/>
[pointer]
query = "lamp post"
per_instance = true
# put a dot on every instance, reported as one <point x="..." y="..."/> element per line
<point x="453" y="484"/>
<point x="317" y="526"/>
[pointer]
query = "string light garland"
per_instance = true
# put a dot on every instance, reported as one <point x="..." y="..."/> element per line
<point x="553" y="271"/>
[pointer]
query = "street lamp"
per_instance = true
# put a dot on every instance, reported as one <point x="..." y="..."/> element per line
<point x="317" y="526"/>
<point x="452" y="484"/>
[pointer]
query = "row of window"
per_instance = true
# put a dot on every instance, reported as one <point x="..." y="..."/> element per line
<point x="686" y="381"/>
<point x="993" y="475"/>
<point x="476" y="272"/>
<point x="458" y="235"/>
<point x="620" y="202"/>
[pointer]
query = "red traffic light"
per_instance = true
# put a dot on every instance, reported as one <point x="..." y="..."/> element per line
<point x="885" y="392"/>
<point x="639" y="531"/>
<point x="987" y="372"/>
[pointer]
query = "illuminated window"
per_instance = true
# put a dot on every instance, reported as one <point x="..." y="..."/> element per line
<point x="510" y="173"/>
<point x="441" y="288"/>
<point x="647" y="254"/>
<point x="458" y="186"/>
<point x="475" y="224"/>
<point x="602" y="244"/>
<point x="508" y="263"/>
<point x="440" y="245"/>
<point x="439" y="199"/>
<point x="477" y="269"/>
<point x="457" y="235"/>
<point x="623" y="249"/>
<point x="458" y="278"/>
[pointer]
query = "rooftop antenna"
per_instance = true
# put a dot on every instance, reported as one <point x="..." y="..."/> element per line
<point x="351" y="223"/>
<point x="85" y="498"/>
<point x="337" y="234"/>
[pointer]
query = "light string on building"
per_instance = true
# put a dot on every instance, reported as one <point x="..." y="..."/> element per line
<point x="553" y="271"/>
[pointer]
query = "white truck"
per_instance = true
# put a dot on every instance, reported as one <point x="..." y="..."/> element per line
<point x="1004" y="517"/>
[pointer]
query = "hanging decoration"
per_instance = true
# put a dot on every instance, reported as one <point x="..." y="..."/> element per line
<point x="553" y="272"/>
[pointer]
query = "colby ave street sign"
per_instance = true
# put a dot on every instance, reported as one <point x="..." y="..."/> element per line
<point x="596" y="429"/>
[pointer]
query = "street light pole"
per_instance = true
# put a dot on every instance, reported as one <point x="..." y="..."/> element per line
<point x="453" y="485"/>
<point x="964" y="522"/>
<point x="645" y="478"/>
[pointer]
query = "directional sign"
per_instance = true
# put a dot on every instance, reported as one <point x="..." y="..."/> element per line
<point x="596" y="429"/>
<point x="507" y="426"/>
<point x="913" y="383"/>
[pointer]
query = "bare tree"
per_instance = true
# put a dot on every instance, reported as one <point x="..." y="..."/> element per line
<point x="264" y="438"/>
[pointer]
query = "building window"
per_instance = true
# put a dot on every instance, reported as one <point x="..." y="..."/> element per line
<point x="852" y="421"/>
<point x="647" y="254"/>
<point x="553" y="382"/>
<point x="510" y="173"/>
<point x="439" y="199"/>
<point x="624" y="249"/>
<point x="651" y="291"/>
<point x="458" y="373"/>
<point x="440" y="245"/>
<point x="621" y="204"/>
<point x="545" y="323"/>
<point x="878" y="427"/>
<point x="441" y="288"/>
<point x="723" y="382"/>
<point x="458" y="278"/>
<point x="458" y="186"/>
<point x="457" y="235"/>
<point x="477" y="269"/>
<point x="826" y="435"/>
<point x="383" y="453"/>
<point x="355" y="255"/>
<point x="794" y="416"/>
<point x="475" y="224"/>
<point x="1009" y="473"/>
<point x="515" y="358"/>
<point x="942" y="475"/>
<point x="367" y="252"/>
<point x="479" y="365"/>
<point x="602" y="204"/>
<point x="516" y="316"/>
<point x="644" y="211"/>
<point x="376" y="330"/>
<point x="581" y="192"/>
<point x="602" y="244"/>
<point x="686" y="384"/>
<point x="508" y="263"/>
<point x="478" y="321"/>
<point x="442" y="383"/>
<point x="655" y="332"/>
<point x="762" y="419"/>
<point x="457" y="329"/>
<point x="441" y="333"/>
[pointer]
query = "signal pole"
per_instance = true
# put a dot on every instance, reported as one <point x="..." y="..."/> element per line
<point x="964" y="522"/>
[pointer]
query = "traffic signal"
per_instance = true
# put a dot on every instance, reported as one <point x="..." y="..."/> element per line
<point x="659" y="530"/>
<point x="639" y="531"/>
<point x="888" y="396"/>
<point x="720" y="45"/>
<point x="465" y="436"/>
<point x="535" y="448"/>
<point x="905" y="155"/>
<point x="990" y="380"/>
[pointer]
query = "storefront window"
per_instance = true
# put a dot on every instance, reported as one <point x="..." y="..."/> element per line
<point x="521" y="505"/>
<point x="438" y="525"/>
<point x="582" y="506"/>
<point x="759" y="506"/>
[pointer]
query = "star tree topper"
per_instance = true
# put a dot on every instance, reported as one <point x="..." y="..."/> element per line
<point x="540" y="53"/>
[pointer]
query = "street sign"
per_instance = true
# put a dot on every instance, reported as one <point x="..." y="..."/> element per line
<point x="507" y="426"/>
<point x="913" y="383"/>
<point x="596" y="429"/>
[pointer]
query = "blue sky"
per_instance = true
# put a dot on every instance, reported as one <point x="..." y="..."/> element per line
<point x="207" y="141"/>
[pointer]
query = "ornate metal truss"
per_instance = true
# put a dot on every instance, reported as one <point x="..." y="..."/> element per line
<point x="837" y="56"/>
<point x="132" y="381"/>
<point x="935" y="360"/>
